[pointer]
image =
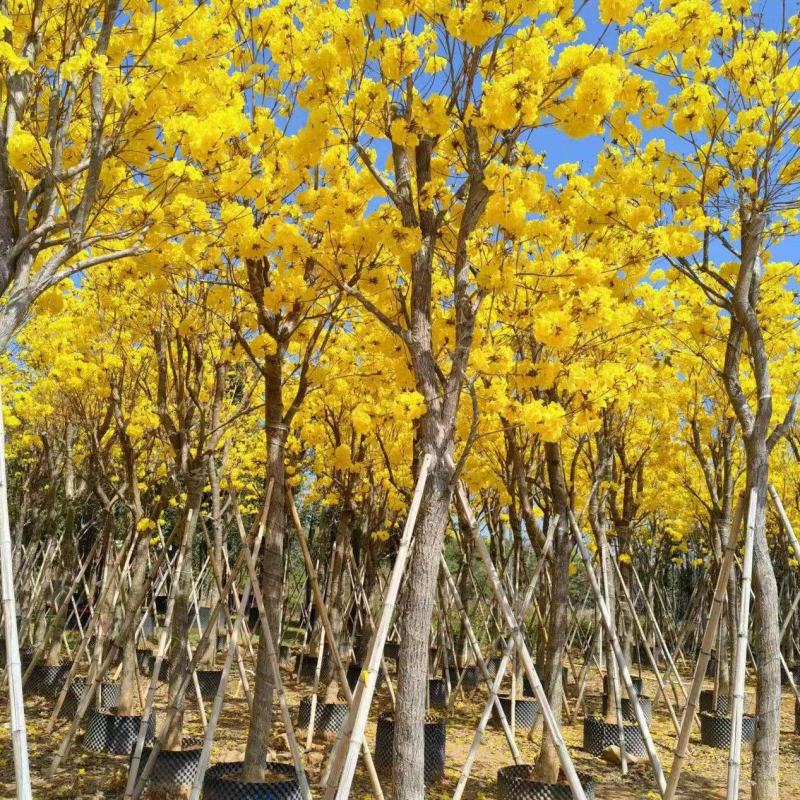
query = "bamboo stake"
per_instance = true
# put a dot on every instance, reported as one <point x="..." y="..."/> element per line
<point x="205" y="754"/>
<point x="507" y="729"/>
<point x="519" y="642"/>
<point x="659" y="634"/>
<point x="509" y="650"/>
<point x="19" y="738"/>
<point x="342" y="764"/>
<point x="661" y="687"/>
<point x="317" y="672"/>
<point x="358" y="587"/>
<point x="608" y="624"/>
<point x="786" y="522"/>
<point x="740" y="662"/>
<point x="151" y="691"/>
<point x="229" y="623"/>
<point x="266" y="635"/>
<point x="682" y="746"/>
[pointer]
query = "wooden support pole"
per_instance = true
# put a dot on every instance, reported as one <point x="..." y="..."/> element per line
<point x="153" y="686"/>
<point x="342" y="764"/>
<point x="19" y="736"/>
<point x="619" y="656"/>
<point x="479" y="657"/>
<point x="661" y="687"/>
<point x="740" y="661"/>
<point x="507" y="653"/>
<point x="205" y="754"/>
<point x="522" y="649"/>
<point x="682" y="746"/>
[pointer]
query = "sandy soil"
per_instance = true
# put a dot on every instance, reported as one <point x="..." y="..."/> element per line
<point x="90" y="775"/>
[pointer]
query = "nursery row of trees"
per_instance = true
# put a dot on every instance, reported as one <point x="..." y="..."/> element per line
<point x="313" y="244"/>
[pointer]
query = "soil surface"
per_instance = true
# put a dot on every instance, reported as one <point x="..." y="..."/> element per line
<point x="87" y="775"/>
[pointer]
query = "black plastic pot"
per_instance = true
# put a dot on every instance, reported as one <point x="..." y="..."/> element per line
<point x="797" y="716"/>
<point x="47" y="681"/>
<point x="205" y="614"/>
<point x="354" y="674"/>
<point x="148" y="626"/>
<point x="174" y="767"/>
<point x="645" y="703"/>
<point x="707" y="702"/>
<point x="209" y="680"/>
<point x="305" y="665"/>
<point x="391" y="650"/>
<point x="795" y="670"/>
<point x="328" y="717"/>
<point x="493" y="665"/>
<point x="218" y="783"/>
<point x="514" y="783"/>
<point x="161" y="601"/>
<point x="437" y="693"/>
<point x="715" y="731"/>
<point x="525" y="711"/>
<point x="25" y="655"/>
<point x="109" y="697"/>
<point x="145" y="658"/>
<point x="434" y="748"/>
<point x="471" y="677"/>
<point x="599" y="735"/>
<point x="637" y="684"/>
<point x="107" y="732"/>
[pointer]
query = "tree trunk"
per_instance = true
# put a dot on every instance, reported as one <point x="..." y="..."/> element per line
<point x="210" y="654"/>
<point x="260" y="730"/>
<point x="178" y="654"/>
<point x="339" y="592"/>
<point x="766" y="644"/>
<point x="415" y="627"/>
<point x="548" y="764"/>
<point x="129" y="693"/>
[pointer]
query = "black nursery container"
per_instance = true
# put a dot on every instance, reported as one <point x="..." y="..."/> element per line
<point x="599" y="735"/>
<point x="107" y="732"/>
<point x="797" y="716"/>
<point x="220" y="783"/>
<point x="715" y="731"/>
<point x="525" y="711"/>
<point x="707" y="702"/>
<point x="637" y="684"/>
<point x="174" y="767"/>
<point x="471" y="677"/>
<point x="209" y="681"/>
<point x="47" y="681"/>
<point x="148" y="626"/>
<point x="795" y="670"/>
<point x="493" y="665"/>
<point x="437" y="693"/>
<point x="305" y="666"/>
<point x="328" y="717"/>
<point x="628" y="714"/>
<point x="205" y="614"/>
<point x="391" y="650"/>
<point x="109" y="697"/>
<point x="514" y="783"/>
<point x="144" y="659"/>
<point x="434" y="749"/>
<point x="354" y="674"/>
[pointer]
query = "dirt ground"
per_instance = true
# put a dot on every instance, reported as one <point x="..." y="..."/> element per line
<point x="87" y="775"/>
